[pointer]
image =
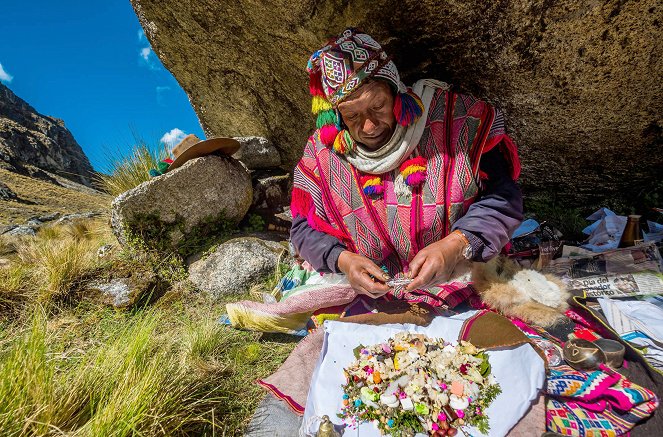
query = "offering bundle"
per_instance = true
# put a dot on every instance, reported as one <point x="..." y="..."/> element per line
<point x="413" y="383"/>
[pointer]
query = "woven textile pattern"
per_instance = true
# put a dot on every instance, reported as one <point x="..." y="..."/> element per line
<point x="595" y="403"/>
<point x="391" y="230"/>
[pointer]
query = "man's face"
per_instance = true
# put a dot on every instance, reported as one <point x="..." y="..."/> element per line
<point x="368" y="113"/>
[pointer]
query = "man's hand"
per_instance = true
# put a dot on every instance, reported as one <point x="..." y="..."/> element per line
<point x="434" y="263"/>
<point x="358" y="269"/>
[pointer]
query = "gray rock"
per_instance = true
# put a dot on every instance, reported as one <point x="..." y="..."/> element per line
<point x="27" y="136"/>
<point x="70" y="218"/>
<point x="236" y="265"/>
<point x="34" y="223"/>
<point x="21" y="230"/>
<point x="118" y="292"/>
<point x="123" y="292"/>
<point x="257" y="153"/>
<point x="6" y="193"/>
<point x="48" y="217"/>
<point x="271" y="193"/>
<point x="6" y="228"/>
<point x="579" y="80"/>
<point x="184" y="202"/>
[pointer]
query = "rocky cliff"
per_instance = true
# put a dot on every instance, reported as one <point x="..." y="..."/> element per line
<point x="27" y="137"/>
<point x="579" y="81"/>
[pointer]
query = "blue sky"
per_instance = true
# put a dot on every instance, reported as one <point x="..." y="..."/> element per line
<point x="88" y="63"/>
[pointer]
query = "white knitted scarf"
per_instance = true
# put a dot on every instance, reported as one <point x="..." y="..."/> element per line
<point x="403" y="141"/>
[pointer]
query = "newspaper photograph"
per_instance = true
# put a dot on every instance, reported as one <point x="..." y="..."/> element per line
<point x="625" y="285"/>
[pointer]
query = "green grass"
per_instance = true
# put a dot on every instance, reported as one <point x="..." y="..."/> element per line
<point x="70" y="365"/>
<point x="129" y="171"/>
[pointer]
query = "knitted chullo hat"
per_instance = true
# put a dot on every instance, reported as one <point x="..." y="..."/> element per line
<point x="338" y="69"/>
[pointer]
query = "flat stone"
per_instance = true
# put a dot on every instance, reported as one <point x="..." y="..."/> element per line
<point x="7" y="228"/>
<point x="125" y="291"/>
<point x="184" y="201"/>
<point x="22" y="230"/>
<point x="273" y="418"/>
<point x="48" y="217"/>
<point x="236" y="265"/>
<point x="257" y="153"/>
<point x="70" y="218"/>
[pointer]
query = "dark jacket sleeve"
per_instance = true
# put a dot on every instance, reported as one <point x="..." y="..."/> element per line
<point x="321" y="250"/>
<point x="496" y="214"/>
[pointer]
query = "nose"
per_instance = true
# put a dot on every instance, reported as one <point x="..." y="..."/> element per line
<point x="369" y="126"/>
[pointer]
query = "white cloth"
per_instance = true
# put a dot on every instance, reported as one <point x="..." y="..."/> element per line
<point x="403" y="141"/>
<point x="520" y="372"/>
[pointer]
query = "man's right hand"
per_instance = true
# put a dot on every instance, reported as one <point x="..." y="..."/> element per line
<point x="359" y="269"/>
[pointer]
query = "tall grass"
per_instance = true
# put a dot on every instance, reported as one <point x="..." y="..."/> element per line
<point x="134" y="377"/>
<point x="89" y="370"/>
<point x="129" y="171"/>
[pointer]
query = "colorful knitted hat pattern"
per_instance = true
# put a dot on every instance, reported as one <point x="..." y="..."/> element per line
<point x="340" y="68"/>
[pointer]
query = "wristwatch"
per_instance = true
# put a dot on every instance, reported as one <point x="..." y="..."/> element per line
<point x="467" y="251"/>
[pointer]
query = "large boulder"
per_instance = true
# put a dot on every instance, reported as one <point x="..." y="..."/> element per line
<point x="579" y="81"/>
<point x="237" y="265"/>
<point x="203" y="197"/>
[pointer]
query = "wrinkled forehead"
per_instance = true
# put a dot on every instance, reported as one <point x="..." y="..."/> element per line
<point x="367" y="93"/>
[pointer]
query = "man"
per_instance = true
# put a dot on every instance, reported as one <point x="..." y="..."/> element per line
<point x="394" y="183"/>
<point x="464" y="203"/>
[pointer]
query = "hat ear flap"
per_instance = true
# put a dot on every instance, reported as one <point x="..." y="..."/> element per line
<point x="315" y="83"/>
<point x="408" y="107"/>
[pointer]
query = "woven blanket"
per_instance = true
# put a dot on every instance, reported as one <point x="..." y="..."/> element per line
<point x="599" y="403"/>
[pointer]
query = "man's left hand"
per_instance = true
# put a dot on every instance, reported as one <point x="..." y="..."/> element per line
<point x="434" y="263"/>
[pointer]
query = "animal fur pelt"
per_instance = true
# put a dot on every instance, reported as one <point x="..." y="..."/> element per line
<point x="523" y="293"/>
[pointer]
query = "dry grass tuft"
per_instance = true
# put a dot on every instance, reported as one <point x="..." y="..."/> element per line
<point x="130" y="171"/>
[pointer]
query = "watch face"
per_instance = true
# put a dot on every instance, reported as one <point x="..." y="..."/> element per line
<point x="467" y="252"/>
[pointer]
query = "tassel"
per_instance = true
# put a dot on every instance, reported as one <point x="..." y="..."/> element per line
<point x="326" y="117"/>
<point x="371" y="185"/>
<point x="315" y="84"/>
<point x="408" y="107"/>
<point x="413" y="171"/>
<point x="319" y="104"/>
<point x="343" y="143"/>
<point x="328" y="134"/>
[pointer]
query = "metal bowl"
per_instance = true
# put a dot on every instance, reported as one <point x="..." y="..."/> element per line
<point x="583" y="355"/>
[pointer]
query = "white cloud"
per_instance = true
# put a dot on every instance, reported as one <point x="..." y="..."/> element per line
<point x="145" y="53"/>
<point x="173" y="137"/>
<point x="141" y="35"/>
<point x="4" y="76"/>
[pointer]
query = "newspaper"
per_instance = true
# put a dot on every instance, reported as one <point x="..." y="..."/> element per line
<point x="631" y="271"/>
<point x="639" y="322"/>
